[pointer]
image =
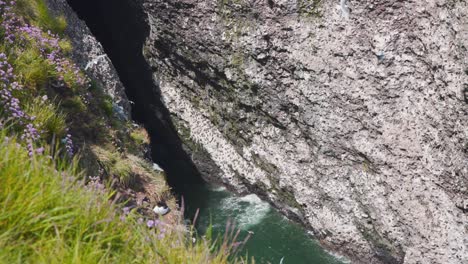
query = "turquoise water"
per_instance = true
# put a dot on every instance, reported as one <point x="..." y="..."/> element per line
<point x="274" y="240"/>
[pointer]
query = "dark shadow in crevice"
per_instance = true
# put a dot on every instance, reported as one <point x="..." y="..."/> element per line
<point x="121" y="27"/>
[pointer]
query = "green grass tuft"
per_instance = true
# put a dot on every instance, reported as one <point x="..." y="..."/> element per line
<point x="115" y="164"/>
<point x="140" y="136"/>
<point x="47" y="118"/>
<point x="74" y="105"/>
<point x="107" y="106"/>
<point x="38" y="13"/>
<point x="66" y="46"/>
<point x="34" y="70"/>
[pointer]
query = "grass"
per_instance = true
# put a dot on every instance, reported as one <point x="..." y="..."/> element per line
<point x="66" y="46"/>
<point x="48" y="118"/>
<point x="74" y="105"/>
<point x="33" y="68"/>
<point x="138" y="140"/>
<point x="46" y="216"/>
<point x="36" y="11"/>
<point x="107" y="107"/>
<point x="115" y="164"/>
<point x="140" y="136"/>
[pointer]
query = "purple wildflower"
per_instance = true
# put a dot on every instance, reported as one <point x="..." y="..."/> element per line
<point x="19" y="33"/>
<point x="40" y="150"/>
<point x="157" y="222"/>
<point x="48" y="43"/>
<point x="12" y="106"/>
<point x="68" y="142"/>
<point x="150" y="223"/>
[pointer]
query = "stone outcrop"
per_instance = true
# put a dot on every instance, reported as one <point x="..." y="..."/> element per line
<point x="349" y="116"/>
<point x="89" y="54"/>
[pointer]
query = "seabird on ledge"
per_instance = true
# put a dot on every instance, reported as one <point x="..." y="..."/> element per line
<point x="161" y="208"/>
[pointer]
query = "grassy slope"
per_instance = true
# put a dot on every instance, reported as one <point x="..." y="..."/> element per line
<point x="48" y="217"/>
<point x="49" y="210"/>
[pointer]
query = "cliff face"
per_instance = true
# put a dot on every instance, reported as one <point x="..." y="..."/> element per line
<point x="350" y="117"/>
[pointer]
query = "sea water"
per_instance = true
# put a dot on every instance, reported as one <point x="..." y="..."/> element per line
<point x="274" y="239"/>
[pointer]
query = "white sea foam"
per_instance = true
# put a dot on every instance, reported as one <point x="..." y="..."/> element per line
<point x="218" y="188"/>
<point x="341" y="258"/>
<point x="247" y="211"/>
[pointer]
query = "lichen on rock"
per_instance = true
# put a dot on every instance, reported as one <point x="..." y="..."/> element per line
<point x="361" y="111"/>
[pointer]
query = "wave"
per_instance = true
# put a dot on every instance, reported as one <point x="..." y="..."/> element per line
<point x="219" y="188"/>
<point x="246" y="211"/>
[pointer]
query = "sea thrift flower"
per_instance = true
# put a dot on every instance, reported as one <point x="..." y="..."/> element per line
<point x="157" y="222"/>
<point x="150" y="223"/>
<point x="30" y="134"/>
<point x="12" y="107"/>
<point x="40" y="150"/>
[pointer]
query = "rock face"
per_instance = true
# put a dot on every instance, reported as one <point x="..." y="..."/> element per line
<point x="349" y="116"/>
<point x="89" y="54"/>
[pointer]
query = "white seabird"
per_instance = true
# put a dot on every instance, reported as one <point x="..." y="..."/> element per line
<point x="161" y="208"/>
<point x="157" y="168"/>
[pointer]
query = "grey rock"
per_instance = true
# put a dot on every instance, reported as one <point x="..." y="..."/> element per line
<point x="349" y="116"/>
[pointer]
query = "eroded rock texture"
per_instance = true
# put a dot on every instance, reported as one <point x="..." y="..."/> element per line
<point x="349" y="116"/>
<point x="89" y="54"/>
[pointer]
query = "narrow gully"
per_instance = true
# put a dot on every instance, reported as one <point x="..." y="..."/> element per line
<point x="121" y="28"/>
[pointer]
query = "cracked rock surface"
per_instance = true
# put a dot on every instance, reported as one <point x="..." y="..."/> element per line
<point x="350" y="116"/>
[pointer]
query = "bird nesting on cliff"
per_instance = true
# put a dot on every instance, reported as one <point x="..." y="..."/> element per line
<point x="161" y="208"/>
